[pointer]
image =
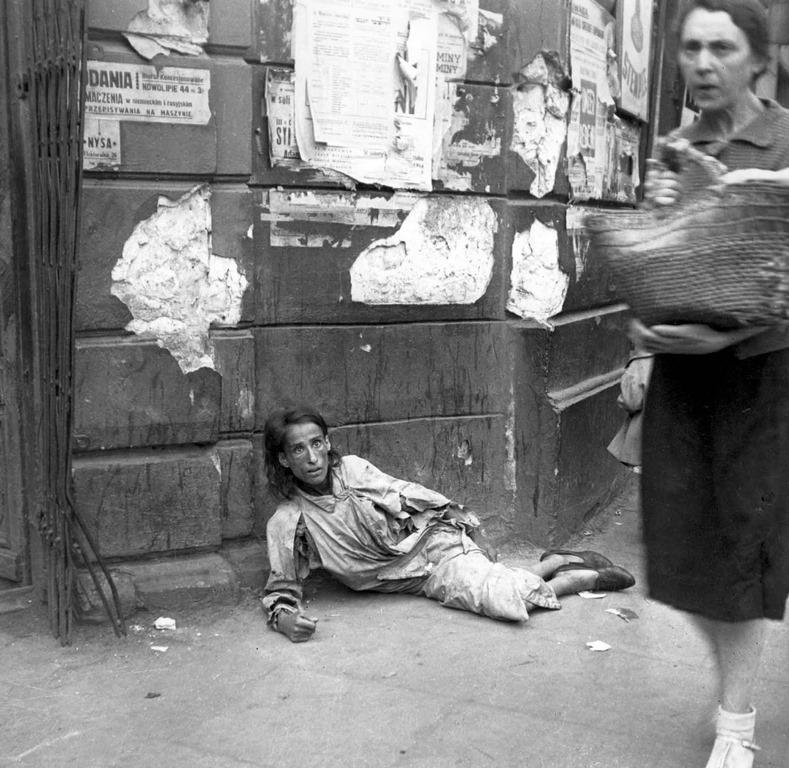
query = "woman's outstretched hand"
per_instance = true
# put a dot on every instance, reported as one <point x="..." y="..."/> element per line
<point x="297" y="627"/>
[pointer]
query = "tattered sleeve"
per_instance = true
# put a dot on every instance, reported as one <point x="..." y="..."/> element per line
<point x="289" y="566"/>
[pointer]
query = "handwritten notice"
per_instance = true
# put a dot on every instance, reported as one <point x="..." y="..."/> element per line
<point x="147" y="94"/>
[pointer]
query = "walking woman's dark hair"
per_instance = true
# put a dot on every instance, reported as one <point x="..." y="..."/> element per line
<point x="749" y="15"/>
<point x="280" y="479"/>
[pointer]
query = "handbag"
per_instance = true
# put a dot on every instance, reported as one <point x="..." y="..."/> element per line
<point x="718" y="256"/>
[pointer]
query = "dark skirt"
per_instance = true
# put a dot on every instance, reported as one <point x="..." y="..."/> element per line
<point x="715" y="484"/>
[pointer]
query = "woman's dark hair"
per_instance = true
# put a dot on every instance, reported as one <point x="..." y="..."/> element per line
<point x="280" y="479"/>
<point x="749" y="15"/>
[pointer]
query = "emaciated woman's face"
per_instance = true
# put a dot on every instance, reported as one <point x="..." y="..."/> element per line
<point x="716" y="60"/>
<point x="305" y="451"/>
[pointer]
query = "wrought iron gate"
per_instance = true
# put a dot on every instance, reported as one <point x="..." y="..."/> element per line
<point x="46" y="46"/>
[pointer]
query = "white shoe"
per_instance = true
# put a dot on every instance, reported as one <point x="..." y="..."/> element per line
<point x="734" y="745"/>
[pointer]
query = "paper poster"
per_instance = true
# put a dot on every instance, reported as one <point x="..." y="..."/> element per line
<point x="592" y="31"/>
<point x="279" y="95"/>
<point x="143" y="93"/>
<point x="634" y="36"/>
<point x="365" y="83"/>
<point x="101" y="144"/>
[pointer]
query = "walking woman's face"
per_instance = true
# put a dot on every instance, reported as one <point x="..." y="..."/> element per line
<point x="716" y="60"/>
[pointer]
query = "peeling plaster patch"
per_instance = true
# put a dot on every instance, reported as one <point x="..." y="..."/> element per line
<point x="442" y="254"/>
<point x="538" y="284"/>
<point x="179" y="26"/>
<point x="174" y="287"/>
<point x="540" y="108"/>
<point x="539" y="131"/>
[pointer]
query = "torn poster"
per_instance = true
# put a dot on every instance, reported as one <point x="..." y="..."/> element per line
<point x="174" y="287"/>
<point x="538" y="284"/>
<point x="283" y="149"/>
<point x="144" y="93"/>
<point x="592" y="40"/>
<point x="442" y="254"/>
<point x="468" y="136"/>
<point x="166" y="26"/>
<point x="309" y="218"/>
<point x="101" y="144"/>
<point x="621" y="176"/>
<point x="365" y="83"/>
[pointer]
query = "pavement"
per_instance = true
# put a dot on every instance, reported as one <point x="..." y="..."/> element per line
<point x="389" y="681"/>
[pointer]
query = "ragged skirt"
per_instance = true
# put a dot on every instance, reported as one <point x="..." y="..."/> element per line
<point x="715" y="484"/>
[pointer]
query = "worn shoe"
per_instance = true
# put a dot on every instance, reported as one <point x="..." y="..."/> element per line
<point x="734" y="745"/>
<point x="610" y="579"/>
<point x="592" y="559"/>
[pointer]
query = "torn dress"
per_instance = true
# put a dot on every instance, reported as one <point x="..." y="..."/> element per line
<point x="374" y="532"/>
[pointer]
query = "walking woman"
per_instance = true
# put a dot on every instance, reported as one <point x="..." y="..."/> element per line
<point x="716" y="424"/>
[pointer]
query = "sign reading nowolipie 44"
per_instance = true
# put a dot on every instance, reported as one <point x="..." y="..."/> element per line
<point x="147" y="94"/>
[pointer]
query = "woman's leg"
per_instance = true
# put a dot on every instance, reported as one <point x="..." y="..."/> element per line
<point x="738" y="650"/>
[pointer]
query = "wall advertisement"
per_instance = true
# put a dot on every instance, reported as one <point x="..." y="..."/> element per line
<point x="143" y="93"/>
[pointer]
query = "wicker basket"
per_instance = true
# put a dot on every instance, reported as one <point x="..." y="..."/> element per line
<point x="719" y="256"/>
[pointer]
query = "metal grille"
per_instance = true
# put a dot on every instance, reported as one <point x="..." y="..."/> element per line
<point x="52" y="82"/>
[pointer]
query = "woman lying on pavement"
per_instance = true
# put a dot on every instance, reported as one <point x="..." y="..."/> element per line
<point x="374" y="532"/>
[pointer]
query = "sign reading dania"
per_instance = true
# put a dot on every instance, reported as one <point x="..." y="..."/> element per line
<point x="147" y="94"/>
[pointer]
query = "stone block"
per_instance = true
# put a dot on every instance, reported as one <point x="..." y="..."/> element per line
<point x="183" y="582"/>
<point x="308" y="241"/>
<point x="89" y="605"/>
<point x="236" y="465"/>
<point x="384" y="372"/>
<point x="111" y="211"/>
<point x="234" y="352"/>
<point x="131" y="393"/>
<point x="144" y="503"/>
<point x="230" y="26"/>
<point x="249" y="561"/>
<point x="580" y="348"/>
<point x="564" y="416"/>
<point x="532" y="26"/>
<point x="590" y="476"/>
<point x="274" y="20"/>
<point x="231" y="82"/>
